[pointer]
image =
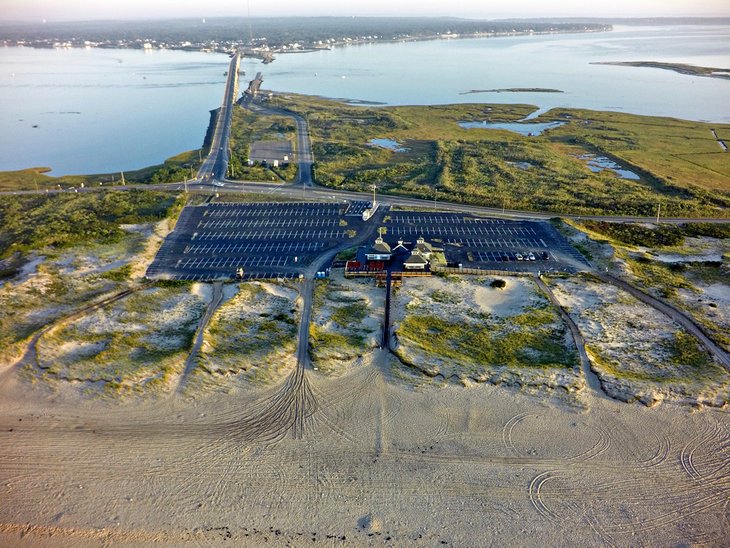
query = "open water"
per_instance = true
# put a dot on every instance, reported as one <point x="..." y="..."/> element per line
<point x="110" y="110"/>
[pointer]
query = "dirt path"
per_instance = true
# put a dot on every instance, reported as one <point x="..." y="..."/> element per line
<point x="191" y="361"/>
<point x="592" y="380"/>
<point x="679" y="317"/>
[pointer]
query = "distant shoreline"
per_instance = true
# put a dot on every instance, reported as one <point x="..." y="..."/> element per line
<point x="267" y="53"/>
<point x="681" y="68"/>
<point x="512" y="90"/>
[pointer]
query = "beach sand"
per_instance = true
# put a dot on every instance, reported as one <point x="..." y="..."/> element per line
<point x="380" y="461"/>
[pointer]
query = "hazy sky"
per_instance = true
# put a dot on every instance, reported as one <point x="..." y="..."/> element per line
<point x="487" y="9"/>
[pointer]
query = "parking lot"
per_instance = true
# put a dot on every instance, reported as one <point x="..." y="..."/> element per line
<point x="270" y="151"/>
<point x="484" y="243"/>
<point x="267" y="240"/>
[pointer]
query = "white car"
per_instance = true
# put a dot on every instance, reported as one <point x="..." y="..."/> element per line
<point x="518" y="256"/>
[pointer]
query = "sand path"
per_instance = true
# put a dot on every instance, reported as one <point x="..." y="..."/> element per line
<point x="192" y="359"/>
<point x="592" y="380"/>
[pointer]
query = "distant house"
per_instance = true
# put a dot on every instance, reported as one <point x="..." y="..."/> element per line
<point x="379" y="251"/>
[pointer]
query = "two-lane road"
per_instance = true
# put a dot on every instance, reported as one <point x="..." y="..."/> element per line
<point x="216" y="163"/>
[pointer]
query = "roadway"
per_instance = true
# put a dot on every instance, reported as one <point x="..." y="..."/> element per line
<point x="319" y="193"/>
<point x="216" y="163"/>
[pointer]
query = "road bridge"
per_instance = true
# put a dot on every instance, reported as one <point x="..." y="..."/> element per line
<point x="216" y="163"/>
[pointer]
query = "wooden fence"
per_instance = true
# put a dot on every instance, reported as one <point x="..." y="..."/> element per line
<point x="478" y="271"/>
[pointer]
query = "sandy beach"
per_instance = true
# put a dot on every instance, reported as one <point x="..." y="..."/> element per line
<point x="380" y="461"/>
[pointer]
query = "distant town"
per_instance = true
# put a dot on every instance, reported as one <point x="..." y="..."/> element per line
<point x="263" y="38"/>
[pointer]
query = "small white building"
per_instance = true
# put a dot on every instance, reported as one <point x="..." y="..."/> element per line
<point x="423" y="248"/>
<point x="379" y="251"/>
<point x="416" y="261"/>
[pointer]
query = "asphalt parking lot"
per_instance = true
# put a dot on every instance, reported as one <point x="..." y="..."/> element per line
<point x="485" y="243"/>
<point x="267" y="240"/>
<point x="268" y="151"/>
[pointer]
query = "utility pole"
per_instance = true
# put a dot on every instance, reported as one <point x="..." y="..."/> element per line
<point x="435" y="196"/>
<point x="200" y="158"/>
<point x="658" y="210"/>
<point x="123" y="181"/>
<point x="504" y="204"/>
<point x="185" y="182"/>
<point x="374" y="187"/>
<point x="191" y="173"/>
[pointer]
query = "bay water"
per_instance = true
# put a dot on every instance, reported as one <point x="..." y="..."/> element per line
<point x="98" y="111"/>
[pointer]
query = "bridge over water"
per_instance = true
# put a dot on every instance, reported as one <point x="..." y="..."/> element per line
<point x="216" y="164"/>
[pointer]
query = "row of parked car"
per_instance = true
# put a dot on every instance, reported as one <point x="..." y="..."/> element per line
<point x="530" y="256"/>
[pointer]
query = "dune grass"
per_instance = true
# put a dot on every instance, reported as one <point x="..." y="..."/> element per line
<point x="537" y="344"/>
<point x="133" y="345"/>
<point x="254" y="333"/>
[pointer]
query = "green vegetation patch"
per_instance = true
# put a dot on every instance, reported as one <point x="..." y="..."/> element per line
<point x="347" y="255"/>
<point x="132" y="345"/>
<point x="118" y="274"/>
<point x="480" y="345"/>
<point x="637" y="351"/>
<point x="657" y="236"/>
<point x="709" y="230"/>
<point x="345" y="324"/>
<point x="349" y="314"/>
<point x="253" y="334"/>
<point x="665" y="278"/>
<point x="638" y="235"/>
<point x="248" y="127"/>
<point x="674" y="159"/>
<point x="687" y="362"/>
<point x="63" y="220"/>
<point x="452" y="334"/>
